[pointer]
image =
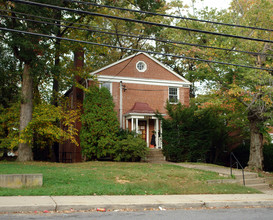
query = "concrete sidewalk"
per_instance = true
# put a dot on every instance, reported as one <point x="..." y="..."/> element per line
<point x="214" y="168"/>
<point x="61" y="203"/>
<point x="252" y="179"/>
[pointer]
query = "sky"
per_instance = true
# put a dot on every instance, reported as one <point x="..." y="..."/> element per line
<point x="220" y="4"/>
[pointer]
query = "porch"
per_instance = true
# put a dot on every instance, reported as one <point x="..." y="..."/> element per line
<point x="142" y="119"/>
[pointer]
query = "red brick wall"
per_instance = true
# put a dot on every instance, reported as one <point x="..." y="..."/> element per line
<point x="128" y="69"/>
<point x="155" y="96"/>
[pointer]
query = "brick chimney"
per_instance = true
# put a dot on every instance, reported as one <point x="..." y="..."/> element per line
<point x="78" y="65"/>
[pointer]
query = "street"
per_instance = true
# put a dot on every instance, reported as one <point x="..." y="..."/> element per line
<point x="211" y="214"/>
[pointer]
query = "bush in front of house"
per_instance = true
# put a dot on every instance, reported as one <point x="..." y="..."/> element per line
<point x="129" y="147"/>
<point x="194" y="135"/>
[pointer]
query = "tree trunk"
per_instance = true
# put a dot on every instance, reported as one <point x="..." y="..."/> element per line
<point x="256" y="146"/>
<point x="24" y="150"/>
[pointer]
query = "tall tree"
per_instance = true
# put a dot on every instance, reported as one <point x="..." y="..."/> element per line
<point x="249" y="90"/>
<point x="99" y="123"/>
<point x="31" y="52"/>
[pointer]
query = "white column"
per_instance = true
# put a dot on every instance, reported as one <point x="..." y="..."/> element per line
<point x="160" y="140"/>
<point x="137" y="125"/>
<point x="156" y="133"/>
<point x="132" y="124"/>
<point x="127" y="124"/>
<point x="147" y="135"/>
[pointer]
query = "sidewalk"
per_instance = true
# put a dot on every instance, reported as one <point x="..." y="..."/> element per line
<point x="61" y="203"/>
<point x="225" y="171"/>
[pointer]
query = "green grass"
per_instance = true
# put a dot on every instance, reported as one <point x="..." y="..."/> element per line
<point x="112" y="178"/>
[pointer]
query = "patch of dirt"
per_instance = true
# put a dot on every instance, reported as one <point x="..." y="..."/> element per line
<point x="121" y="181"/>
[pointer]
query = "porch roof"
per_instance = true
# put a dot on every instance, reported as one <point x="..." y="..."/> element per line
<point x="140" y="107"/>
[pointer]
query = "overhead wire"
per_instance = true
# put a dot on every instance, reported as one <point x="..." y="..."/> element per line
<point x="146" y="37"/>
<point x="168" y="16"/>
<point x="140" y="21"/>
<point x="132" y="49"/>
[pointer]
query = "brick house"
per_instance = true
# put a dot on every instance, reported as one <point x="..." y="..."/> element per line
<point x="140" y="86"/>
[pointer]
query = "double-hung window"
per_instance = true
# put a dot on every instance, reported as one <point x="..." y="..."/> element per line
<point x="173" y="95"/>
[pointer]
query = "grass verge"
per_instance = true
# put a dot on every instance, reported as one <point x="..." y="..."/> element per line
<point x="112" y="178"/>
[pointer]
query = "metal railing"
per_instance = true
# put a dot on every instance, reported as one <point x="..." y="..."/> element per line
<point x="238" y="164"/>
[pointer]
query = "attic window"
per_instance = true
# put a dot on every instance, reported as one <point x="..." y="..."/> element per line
<point x="141" y="66"/>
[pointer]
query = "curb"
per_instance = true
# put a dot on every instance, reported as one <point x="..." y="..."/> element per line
<point x="26" y="204"/>
<point x="76" y="203"/>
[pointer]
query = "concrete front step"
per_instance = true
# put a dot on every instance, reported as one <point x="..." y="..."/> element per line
<point x="247" y="176"/>
<point x="254" y="181"/>
<point x="261" y="186"/>
<point x="155" y="155"/>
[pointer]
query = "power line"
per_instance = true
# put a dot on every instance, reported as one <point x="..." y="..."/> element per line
<point x="169" y="16"/>
<point x="146" y="37"/>
<point x="139" y="21"/>
<point x="132" y="49"/>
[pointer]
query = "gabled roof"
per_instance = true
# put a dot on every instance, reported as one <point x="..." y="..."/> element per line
<point x="155" y="60"/>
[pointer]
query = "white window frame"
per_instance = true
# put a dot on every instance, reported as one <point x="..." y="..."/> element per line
<point x="177" y="91"/>
<point x="144" y="66"/>
<point x="101" y="85"/>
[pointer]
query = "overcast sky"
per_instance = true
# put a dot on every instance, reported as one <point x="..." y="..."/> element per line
<point x="220" y="4"/>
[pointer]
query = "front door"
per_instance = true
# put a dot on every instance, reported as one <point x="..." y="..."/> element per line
<point x="142" y="128"/>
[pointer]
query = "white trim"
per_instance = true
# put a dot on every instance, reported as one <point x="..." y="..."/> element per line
<point x="141" y="115"/>
<point x="134" y="55"/>
<point x="143" y="81"/>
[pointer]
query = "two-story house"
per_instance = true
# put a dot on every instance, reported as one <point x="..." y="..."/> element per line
<point x="140" y="86"/>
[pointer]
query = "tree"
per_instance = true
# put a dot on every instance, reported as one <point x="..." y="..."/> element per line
<point x="32" y="52"/>
<point x="42" y="131"/>
<point x="250" y="91"/>
<point x="9" y="78"/>
<point x="253" y="89"/>
<point x="195" y="133"/>
<point x="99" y="123"/>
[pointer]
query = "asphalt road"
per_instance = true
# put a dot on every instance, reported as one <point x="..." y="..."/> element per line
<point x="211" y="214"/>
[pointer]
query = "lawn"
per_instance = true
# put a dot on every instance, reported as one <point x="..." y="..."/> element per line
<point x="112" y="178"/>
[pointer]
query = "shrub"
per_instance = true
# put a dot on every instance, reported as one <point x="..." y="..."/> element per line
<point x="192" y="134"/>
<point x="129" y="147"/>
<point x="268" y="155"/>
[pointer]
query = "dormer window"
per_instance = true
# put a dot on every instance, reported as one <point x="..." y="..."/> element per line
<point x="141" y="66"/>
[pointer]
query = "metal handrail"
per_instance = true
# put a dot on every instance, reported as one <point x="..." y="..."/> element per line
<point x="237" y="163"/>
